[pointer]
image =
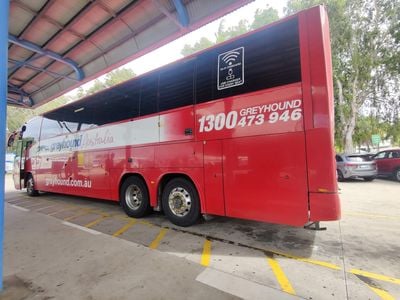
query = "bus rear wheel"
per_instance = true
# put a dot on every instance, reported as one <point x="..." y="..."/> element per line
<point x="134" y="197"/>
<point x="180" y="202"/>
<point x="30" y="187"/>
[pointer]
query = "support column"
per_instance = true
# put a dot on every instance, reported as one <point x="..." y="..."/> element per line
<point x="4" y="7"/>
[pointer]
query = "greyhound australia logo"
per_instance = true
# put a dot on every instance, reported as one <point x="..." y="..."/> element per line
<point x="231" y="68"/>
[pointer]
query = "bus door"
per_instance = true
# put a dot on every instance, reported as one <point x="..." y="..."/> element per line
<point x="19" y="162"/>
<point x="213" y="178"/>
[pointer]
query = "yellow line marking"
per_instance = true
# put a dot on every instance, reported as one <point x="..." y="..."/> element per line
<point x="206" y="255"/>
<point x="76" y="216"/>
<point x="280" y="276"/>
<point x="43" y="208"/>
<point x="18" y="201"/>
<point x="381" y="293"/>
<point x="375" y="276"/>
<point x="36" y="204"/>
<point x="59" y="211"/>
<point x="124" y="228"/>
<point x="95" y="222"/>
<point x="308" y="260"/>
<point x="21" y="202"/>
<point x="154" y="244"/>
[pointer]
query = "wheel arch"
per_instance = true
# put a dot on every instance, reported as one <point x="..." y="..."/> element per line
<point x="128" y="175"/>
<point x="26" y="176"/>
<point x="165" y="178"/>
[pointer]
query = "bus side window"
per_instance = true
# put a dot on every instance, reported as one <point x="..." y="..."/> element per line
<point x="176" y="86"/>
<point x="148" y="95"/>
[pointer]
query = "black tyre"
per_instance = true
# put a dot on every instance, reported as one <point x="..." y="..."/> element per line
<point x="134" y="197"/>
<point x="180" y="202"/>
<point x="396" y="175"/>
<point x="30" y="186"/>
<point x="340" y="176"/>
<point x="369" y="178"/>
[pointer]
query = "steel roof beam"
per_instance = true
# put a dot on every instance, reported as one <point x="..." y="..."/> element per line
<point x="119" y="15"/>
<point x="183" y="15"/>
<point x="26" y="64"/>
<point x="19" y="64"/>
<point x="165" y="11"/>
<point x="12" y="89"/>
<point x="35" y="48"/>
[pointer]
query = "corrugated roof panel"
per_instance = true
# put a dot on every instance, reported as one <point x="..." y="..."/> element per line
<point x="143" y="14"/>
<point x="97" y="36"/>
<point x="108" y="38"/>
<point x="35" y="5"/>
<point x="64" y="42"/>
<point x="40" y="32"/>
<point x="91" y="20"/>
<point x="64" y="11"/>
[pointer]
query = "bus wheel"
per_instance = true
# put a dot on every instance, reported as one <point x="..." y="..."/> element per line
<point x="30" y="186"/>
<point x="134" y="197"/>
<point x="180" y="202"/>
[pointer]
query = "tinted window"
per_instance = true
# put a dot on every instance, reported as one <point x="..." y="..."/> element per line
<point x="380" y="155"/>
<point x="205" y="79"/>
<point x="33" y="128"/>
<point x="271" y="57"/>
<point x="176" y="86"/>
<point x="355" y="158"/>
<point x="338" y="158"/>
<point x="148" y="94"/>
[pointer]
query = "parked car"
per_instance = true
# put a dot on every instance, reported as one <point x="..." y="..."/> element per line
<point x="355" y="166"/>
<point x="388" y="162"/>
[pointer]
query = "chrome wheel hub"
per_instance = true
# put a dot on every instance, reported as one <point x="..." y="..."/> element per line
<point x="133" y="197"/>
<point x="179" y="202"/>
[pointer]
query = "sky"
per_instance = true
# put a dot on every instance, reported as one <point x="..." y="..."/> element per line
<point x="172" y="51"/>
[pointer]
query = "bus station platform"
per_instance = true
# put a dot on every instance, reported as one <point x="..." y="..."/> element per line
<point x="49" y="259"/>
<point x="64" y="247"/>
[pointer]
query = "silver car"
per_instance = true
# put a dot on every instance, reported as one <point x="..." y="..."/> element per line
<point x="355" y="166"/>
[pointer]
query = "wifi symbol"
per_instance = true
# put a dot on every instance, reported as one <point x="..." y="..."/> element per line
<point x="230" y="57"/>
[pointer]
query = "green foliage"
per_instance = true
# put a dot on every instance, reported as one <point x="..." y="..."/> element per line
<point x="264" y="16"/>
<point x="16" y="116"/>
<point x="203" y="43"/>
<point x="261" y="18"/>
<point x="118" y="76"/>
<point x="365" y="56"/>
<point x="111" y="79"/>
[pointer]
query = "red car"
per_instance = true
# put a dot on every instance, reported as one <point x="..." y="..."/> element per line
<point x="388" y="163"/>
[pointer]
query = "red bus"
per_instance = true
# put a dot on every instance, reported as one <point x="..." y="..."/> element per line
<point x="243" y="129"/>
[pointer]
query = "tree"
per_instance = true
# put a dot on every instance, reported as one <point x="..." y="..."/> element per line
<point x="203" y="43"/>
<point x="261" y="17"/>
<point x="16" y="117"/>
<point x="361" y="46"/>
<point x="264" y="16"/>
<point x="111" y="79"/>
<point x="118" y="76"/>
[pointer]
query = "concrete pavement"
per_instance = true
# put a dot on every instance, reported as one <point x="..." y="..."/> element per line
<point x="48" y="259"/>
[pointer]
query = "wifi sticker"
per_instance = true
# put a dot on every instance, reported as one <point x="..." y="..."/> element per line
<point x="231" y="68"/>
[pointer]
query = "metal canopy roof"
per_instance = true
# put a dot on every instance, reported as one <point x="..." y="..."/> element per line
<point x="56" y="45"/>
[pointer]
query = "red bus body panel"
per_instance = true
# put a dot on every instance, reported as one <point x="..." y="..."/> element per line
<point x="266" y="155"/>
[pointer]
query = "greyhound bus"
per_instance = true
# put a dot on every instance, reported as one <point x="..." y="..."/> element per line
<point x="243" y="129"/>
